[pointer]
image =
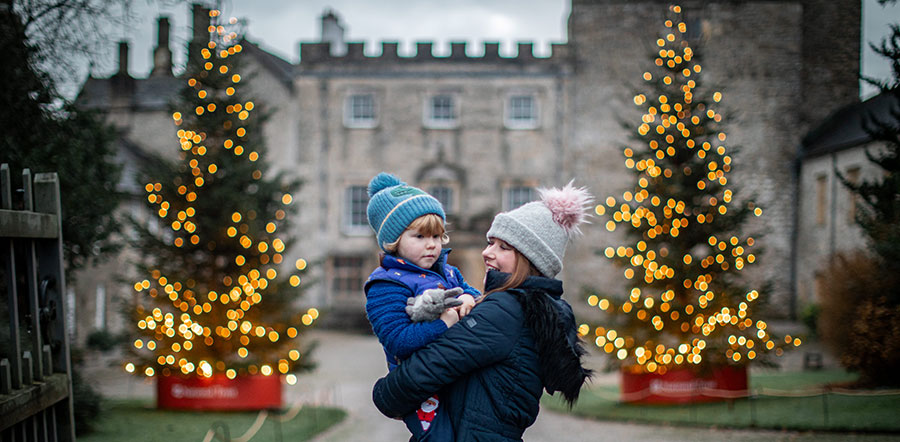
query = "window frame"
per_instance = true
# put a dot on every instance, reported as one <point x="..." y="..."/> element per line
<point x="451" y="205"/>
<point x="428" y="119"/>
<point x="821" y="185"/>
<point x="350" y="119"/>
<point x="355" y="275"/>
<point x="520" y="124"/>
<point x="853" y="175"/>
<point x="348" y="225"/>
<point x="507" y="197"/>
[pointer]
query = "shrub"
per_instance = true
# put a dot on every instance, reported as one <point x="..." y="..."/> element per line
<point x="859" y="319"/>
<point x="810" y="318"/>
<point x="86" y="404"/>
<point x="102" y="340"/>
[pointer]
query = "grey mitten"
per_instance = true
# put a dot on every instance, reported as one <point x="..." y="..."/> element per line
<point x="429" y="305"/>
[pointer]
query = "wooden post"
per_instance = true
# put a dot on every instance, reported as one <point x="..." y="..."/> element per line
<point x="34" y="232"/>
<point x="8" y="254"/>
<point x="52" y="271"/>
<point x="31" y="281"/>
<point x="5" y="385"/>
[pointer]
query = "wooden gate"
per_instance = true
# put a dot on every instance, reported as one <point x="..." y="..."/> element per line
<point x="35" y="374"/>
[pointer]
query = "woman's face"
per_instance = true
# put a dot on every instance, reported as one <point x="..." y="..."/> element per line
<point x="498" y="255"/>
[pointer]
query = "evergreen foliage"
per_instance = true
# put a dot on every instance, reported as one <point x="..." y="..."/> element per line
<point x="860" y="318"/>
<point x="685" y="251"/>
<point x="45" y="134"/>
<point x="215" y="300"/>
<point x="879" y="213"/>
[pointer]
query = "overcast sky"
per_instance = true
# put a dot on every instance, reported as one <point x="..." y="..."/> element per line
<point x="279" y="25"/>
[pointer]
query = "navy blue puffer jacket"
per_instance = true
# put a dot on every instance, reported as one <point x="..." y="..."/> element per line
<point x="488" y="369"/>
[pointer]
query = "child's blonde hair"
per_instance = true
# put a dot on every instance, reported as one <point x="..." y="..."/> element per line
<point x="427" y="225"/>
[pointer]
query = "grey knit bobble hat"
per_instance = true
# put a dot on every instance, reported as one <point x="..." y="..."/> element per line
<point x="540" y="230"/>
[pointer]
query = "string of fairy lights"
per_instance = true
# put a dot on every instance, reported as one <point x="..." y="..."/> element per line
<point x="679" y="299"/>
<point x="190" y="324"/>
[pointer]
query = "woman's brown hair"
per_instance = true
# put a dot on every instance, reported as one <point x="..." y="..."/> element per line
<point x="523" y="270"/>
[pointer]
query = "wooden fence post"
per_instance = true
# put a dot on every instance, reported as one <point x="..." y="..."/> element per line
<point x="51" y="275"/>
<point x="9" y="256"/>
<point x="36" y="381"/>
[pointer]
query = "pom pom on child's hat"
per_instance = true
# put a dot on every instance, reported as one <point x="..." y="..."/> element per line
<point x="540" y="230"/>
<point x="393" y="205"/>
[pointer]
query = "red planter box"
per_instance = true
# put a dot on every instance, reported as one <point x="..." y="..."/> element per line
<point x="685" y="385"/>
<point x="249" y="392"/>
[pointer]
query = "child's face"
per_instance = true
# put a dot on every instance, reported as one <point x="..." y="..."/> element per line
<point x="499" y="255"/>
<point x="421" y="250"/>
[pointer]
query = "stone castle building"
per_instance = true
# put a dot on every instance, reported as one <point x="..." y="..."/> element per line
<point x="481" y="131"/>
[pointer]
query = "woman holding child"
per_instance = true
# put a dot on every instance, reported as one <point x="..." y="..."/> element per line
<point x="491" y="368"/>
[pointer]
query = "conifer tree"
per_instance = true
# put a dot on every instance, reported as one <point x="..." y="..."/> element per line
<point x="44" y="133"/>
<point x="860" y="316"/>
<point x="879" y="213"/>
<point x="685" y="251"/>
<point x="215" y="299"/>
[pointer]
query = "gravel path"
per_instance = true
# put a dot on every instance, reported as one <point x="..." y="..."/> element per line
<point x="349" y="364"/>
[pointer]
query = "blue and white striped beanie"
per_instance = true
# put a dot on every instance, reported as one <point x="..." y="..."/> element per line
<point x="393" y="205"/>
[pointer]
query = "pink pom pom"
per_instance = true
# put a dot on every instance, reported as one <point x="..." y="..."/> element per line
<point x="568" y="205"/>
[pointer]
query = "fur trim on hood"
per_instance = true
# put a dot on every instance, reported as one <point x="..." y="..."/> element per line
<point x="553" y="325"/>
<point x="559" y="348"/>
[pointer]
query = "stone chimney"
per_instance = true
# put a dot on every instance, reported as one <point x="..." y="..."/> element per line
<point x="162" y="55"/>
<point x="123" y="58"/>
<point x="122" y="84"/>
<point x="200" y="30"/>
<point x="333" y="33"/>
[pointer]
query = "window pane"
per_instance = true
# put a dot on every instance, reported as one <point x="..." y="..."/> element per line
<point x="357" y="199"/>
<point x="444" y="195"/>
<point x="521" y="108"/>
<point x="362" y="107"/>
<point x="347" y="276"/>
<point x="516" y="196"/>
<point x="442" y="108"/>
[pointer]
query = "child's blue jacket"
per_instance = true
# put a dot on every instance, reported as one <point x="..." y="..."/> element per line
<point x="387" y="290"/>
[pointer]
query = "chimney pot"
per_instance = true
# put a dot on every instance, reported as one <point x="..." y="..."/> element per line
<point x="123" y="58"/>
<point x="162" y="55"/>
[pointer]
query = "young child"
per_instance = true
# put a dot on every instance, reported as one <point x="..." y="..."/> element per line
<point x="409" y="228"/>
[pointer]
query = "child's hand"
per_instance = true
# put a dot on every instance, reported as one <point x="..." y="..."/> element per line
<point x="467" y="303"/>
<point x="450" y="316"/>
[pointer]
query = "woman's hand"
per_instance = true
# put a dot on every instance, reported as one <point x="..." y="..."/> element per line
<point x="450" y="316"/>
<point x="468" y="302"/>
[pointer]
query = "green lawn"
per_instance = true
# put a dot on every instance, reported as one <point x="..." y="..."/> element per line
<point x="140" y="421"/>
<point x="835" y="412"/>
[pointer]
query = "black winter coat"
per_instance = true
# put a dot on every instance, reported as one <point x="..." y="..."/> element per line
<point x="490" y="368"/>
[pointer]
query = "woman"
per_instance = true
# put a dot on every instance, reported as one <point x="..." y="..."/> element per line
<point x="490" y="369"/>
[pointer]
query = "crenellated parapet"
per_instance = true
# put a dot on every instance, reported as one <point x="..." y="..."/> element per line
<point x="320" y="52"/>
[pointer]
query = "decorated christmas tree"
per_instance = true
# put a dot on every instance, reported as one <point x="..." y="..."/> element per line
<point x="684" y="253"/>
<point x="215" y="298"/>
